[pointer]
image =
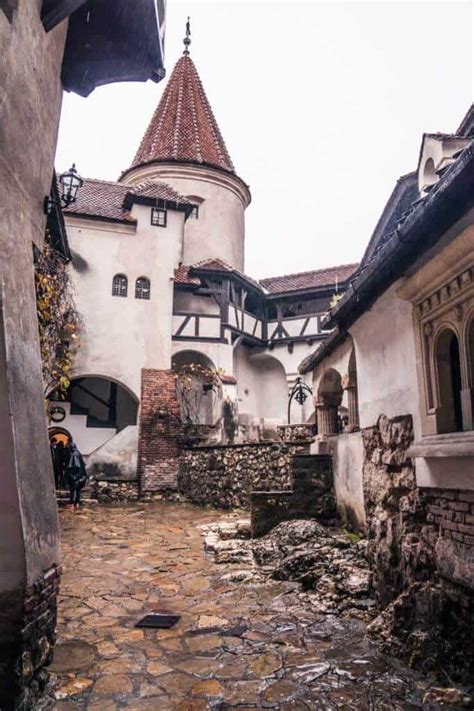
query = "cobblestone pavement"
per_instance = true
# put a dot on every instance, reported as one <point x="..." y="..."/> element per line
<point x="237" y="645"/>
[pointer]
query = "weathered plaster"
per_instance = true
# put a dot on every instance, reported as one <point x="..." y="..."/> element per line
<point x="219" y="232"/>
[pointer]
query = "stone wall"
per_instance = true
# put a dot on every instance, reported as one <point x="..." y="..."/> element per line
<point x="106" y="492"/>
<point x="421" y="550"/>
<point x="224" y="476"/>
<point x="31" y="89"/>
<point x="22" y="670"/>
<point x="392" y="502"/>
<point x="311" y="496"/>
<point x="160" y="431"/>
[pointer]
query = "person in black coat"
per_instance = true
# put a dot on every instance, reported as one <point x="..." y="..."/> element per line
<point x="56" y="457"/>
<point x="76" y="475"/>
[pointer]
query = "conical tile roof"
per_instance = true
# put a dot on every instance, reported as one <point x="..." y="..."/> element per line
<point x="183" y="127"/>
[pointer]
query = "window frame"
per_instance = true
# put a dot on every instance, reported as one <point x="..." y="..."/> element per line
<point x="159" y="211"/>
<point x="138" y="286"/>
<point x="117" y="288"/>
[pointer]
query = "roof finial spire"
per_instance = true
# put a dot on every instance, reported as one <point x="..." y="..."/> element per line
<point x="187" y="39"/>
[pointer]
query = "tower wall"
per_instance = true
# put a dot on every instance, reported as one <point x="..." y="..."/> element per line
<point x="219" y="231"/>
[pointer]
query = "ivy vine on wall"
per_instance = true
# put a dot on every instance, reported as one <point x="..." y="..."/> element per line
<point x="58" y="320"/>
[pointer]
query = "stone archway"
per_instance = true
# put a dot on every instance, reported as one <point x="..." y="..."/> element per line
<point x="199" y="389"/>
<point x="329" y="398"/>
<point x="95" y="407"/>
<point x="448" y="379"/>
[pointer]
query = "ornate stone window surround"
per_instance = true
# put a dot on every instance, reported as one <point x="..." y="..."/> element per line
<point x="442" y="294"/>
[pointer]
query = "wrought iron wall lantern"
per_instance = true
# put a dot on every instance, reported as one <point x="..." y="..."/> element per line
<point x="299" y="392"/>
<point x="70" y="182"/>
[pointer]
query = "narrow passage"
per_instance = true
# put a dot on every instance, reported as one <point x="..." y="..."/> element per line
<point x="238" y="644"/>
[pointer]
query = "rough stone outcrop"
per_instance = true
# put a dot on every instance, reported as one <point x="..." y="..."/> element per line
<point x="393" y="508"/>
<point x="420" y="548"/>
<point x="326" y="561"/>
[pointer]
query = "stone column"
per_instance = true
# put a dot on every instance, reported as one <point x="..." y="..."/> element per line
<point x="326" y="417"/>
<point x="349" y="383"/>
<point x="467" y="404"/>
<point x="353" y="406"/>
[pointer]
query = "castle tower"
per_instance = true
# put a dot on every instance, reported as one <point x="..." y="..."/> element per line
<point x="183" y="147"/>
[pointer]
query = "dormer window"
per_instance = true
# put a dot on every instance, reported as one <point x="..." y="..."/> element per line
<point x="158" y="217"/>
<point x="195" y="212"/>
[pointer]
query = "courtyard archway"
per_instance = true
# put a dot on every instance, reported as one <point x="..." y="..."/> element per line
<point x="198" y="388"/>
<point x="93" y="410"/>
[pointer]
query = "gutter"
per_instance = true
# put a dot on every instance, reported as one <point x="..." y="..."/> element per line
<point x="451" y="197"/>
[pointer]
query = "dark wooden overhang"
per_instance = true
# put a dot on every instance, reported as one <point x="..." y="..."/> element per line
<point x="108" y="41"/>
<point x="221" y="274"/>
<point x="131" y="198"/>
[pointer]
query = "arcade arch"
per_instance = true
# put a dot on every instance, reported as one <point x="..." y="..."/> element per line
<point x="198" y="387"/>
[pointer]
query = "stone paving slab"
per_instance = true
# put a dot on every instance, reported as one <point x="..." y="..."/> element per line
<point x="256" y="644"/>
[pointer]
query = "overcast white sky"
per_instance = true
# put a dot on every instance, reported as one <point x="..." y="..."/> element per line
<point x="322" y="106"/>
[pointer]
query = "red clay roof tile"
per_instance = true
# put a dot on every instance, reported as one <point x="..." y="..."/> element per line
<point x="182" y="276"/>
<point x="183" y="127"/>
<point x="105" y="199"/>
<point x="308" y="280"/>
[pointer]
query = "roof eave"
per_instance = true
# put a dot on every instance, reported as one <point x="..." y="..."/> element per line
<point x="322" y="289"/>
<point x="131" y="198"/>
<point x="421" y="230"/>
<point x="100" y="218"/>
<point x="195" y="164"/>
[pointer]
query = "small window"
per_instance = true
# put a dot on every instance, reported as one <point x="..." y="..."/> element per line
<point x="119" y="285"/>
<point x="142" y="288"/>
<point x="158" y="217"/>
<point x="195" y="212"/>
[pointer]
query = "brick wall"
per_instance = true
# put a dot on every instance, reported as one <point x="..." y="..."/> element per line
<point x="160" y="430"/>
<point x="450" y="526"/>
<point x="420" y="547"/>
<point x="453" y="513"/>
<point x="22" y="666"/>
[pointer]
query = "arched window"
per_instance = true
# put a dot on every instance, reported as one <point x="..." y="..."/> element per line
<point x="142" y="288"/>
<point x="448" y="370"/>
<point x="119" y="285"/>
<point x="352" y="394"/>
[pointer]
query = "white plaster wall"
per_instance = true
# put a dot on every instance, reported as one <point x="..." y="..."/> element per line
<point x="246" y="390"/>
<point x="339" y="360"/>
<point x="386" y="361"/>
<point x="348" y="458"/>
<point x="119" y="452"/>
<point x="440" y="150"/>
<point x="290" y="362"/>
<point x="87" y="438"/>
<point x="191" y="303"/>
<point x="122" y="335"/>
<point x="219" y="353"/>
<point x="445" y="472"/>
<point x="261" y="385"/>
<point x="219" y="232"/>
